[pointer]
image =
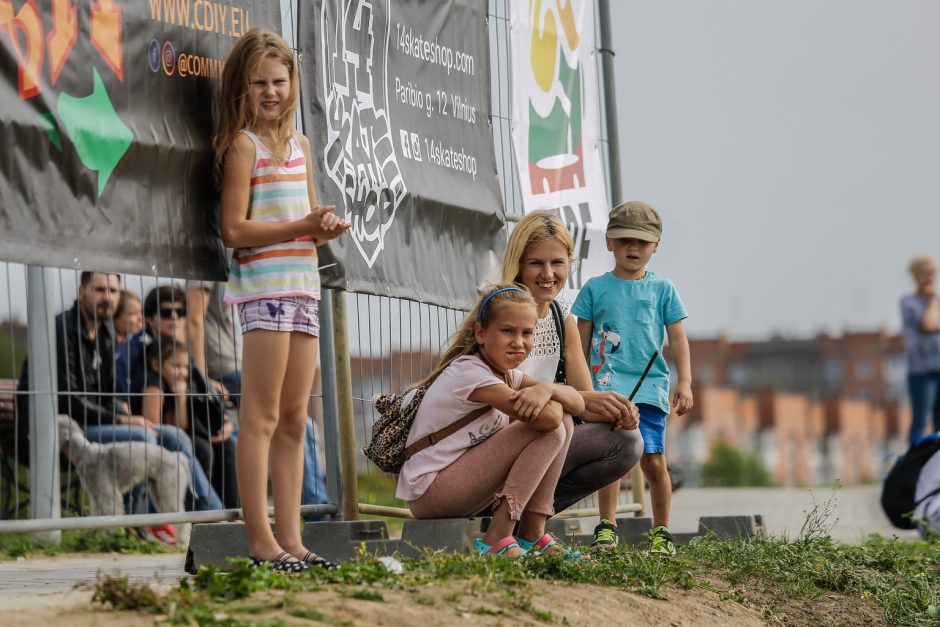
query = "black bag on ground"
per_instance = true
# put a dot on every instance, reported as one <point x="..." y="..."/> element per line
<point x="897" y="493"/>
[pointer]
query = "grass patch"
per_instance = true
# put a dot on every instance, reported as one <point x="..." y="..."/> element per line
<point x="13" y="545"/>
<point x="802" y="581"/>
<point x="312" y="614"/>
<point x="363" y="595"/>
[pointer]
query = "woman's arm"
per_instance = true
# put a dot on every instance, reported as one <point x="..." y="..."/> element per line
<point x="238" y="231"/>
<point x="197" y="302"/>
<point x="598" y="406"/>
<point x="502" y="397"/>
<point x="930" y="320"/>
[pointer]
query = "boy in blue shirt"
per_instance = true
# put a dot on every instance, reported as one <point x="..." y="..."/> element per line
<point x="623" y="317"/>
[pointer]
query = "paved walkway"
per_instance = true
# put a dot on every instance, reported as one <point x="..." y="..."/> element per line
<point x="46" y="582"/>
<point x="857" y="511"/>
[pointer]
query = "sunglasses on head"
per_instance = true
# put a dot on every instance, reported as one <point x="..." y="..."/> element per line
<point x="167" y="312"/>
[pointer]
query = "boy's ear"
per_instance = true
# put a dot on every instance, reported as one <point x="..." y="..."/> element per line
<point x="610" y="244"/>
<point x="656" y="247"/>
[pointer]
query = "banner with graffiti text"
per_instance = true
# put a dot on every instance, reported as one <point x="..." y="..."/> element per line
<point x="396" y="103"/>
<point x="106" y="131"/>
<point x="556" y="124"/>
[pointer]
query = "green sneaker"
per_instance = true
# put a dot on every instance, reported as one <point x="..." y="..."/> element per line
<point x="662" y="542"/>
<point x="606" y="535"/>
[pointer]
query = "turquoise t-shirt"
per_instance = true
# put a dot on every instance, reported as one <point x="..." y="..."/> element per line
<point x="630" y="319"/>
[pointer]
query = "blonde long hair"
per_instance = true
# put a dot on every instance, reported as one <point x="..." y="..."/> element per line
<point x="232" y="109"/>
<point x="463" y="341"/>
<point x="539" y="226"/>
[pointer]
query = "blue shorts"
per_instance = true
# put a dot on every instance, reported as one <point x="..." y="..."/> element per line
<point x="652" y="428"/>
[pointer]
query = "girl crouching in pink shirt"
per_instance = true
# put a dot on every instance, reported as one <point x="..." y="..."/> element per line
<point x="509" y="457"/>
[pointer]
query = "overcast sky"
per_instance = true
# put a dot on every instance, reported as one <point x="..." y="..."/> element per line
<point x="793" y="149"/>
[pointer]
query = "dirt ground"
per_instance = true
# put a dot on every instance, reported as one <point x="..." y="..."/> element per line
<point x="464" y="603"/>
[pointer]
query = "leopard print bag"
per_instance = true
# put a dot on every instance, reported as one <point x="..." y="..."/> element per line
<point x="397" y="412"/>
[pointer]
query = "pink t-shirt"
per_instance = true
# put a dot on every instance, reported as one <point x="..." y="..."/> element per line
<point x="445" y="402"/>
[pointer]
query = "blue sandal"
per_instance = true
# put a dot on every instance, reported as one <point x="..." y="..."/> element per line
<point x="499" y="548"/>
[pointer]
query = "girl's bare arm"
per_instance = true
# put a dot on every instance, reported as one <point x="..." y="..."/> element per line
<point x="331" y="226"/>
<point x="181" y="410"/>
<point x="500" y="396"/>
<point x="238" y="231"/>
<point x="569" y="398"/>
<point x="153" y="404"/>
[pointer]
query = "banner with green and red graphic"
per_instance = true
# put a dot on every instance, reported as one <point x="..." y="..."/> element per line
<point x="556" y="124"/>
<point x="106" y="130"/>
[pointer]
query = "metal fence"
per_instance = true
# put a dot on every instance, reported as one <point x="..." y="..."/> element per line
<point x="369" y="344"/>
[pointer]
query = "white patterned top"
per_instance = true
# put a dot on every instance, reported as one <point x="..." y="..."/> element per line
<point x="542" y="362"/>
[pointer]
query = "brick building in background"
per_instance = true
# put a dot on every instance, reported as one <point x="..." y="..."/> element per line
<point x="812" y="410"/>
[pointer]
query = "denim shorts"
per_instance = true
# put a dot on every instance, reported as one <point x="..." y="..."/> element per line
<point x="652" y="428"/>
<point x="288" y="313"/>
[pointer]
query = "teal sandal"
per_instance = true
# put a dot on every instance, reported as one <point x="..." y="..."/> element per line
<point x="499" y="548"/>
<point x="540" y="546"/>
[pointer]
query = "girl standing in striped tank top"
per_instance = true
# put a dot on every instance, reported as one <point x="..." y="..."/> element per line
<point x="270" y="216"/>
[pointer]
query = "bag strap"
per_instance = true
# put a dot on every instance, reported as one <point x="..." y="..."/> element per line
<point x="440" y="434"/>
<point x="560" y="373"/>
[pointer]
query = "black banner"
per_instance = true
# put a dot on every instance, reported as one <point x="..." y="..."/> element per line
<point x="396" y="100"/>
<point x="106" y="130"/>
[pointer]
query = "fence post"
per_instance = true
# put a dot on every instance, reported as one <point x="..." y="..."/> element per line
<point x="44" y="492"/>
<point x="334" y="477"/>
<point x="344" y="402"/>
<point x="610" y="101"/>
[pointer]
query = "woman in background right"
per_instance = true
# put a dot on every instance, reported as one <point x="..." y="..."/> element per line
<point x="920" y="313"/>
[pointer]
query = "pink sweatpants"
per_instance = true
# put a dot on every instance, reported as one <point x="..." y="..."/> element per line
<point x="517" y="463"/>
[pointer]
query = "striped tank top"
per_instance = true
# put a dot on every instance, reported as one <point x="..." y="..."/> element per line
<point x="278" y="193"/>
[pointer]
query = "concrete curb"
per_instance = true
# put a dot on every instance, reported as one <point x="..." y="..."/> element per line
<point x="214" y="543"/>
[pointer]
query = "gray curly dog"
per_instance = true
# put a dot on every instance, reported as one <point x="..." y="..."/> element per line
<point x="108" y="471"/>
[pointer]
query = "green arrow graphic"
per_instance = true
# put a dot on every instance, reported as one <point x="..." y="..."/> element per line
<point x="99" y="135"/>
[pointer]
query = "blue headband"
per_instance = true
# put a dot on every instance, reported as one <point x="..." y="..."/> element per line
<point x="487" y="299"/>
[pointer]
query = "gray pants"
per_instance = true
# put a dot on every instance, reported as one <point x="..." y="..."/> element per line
<point x="596" y="457"/>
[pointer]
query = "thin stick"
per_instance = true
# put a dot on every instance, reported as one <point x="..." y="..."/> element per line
<point x="636" y="388"/>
